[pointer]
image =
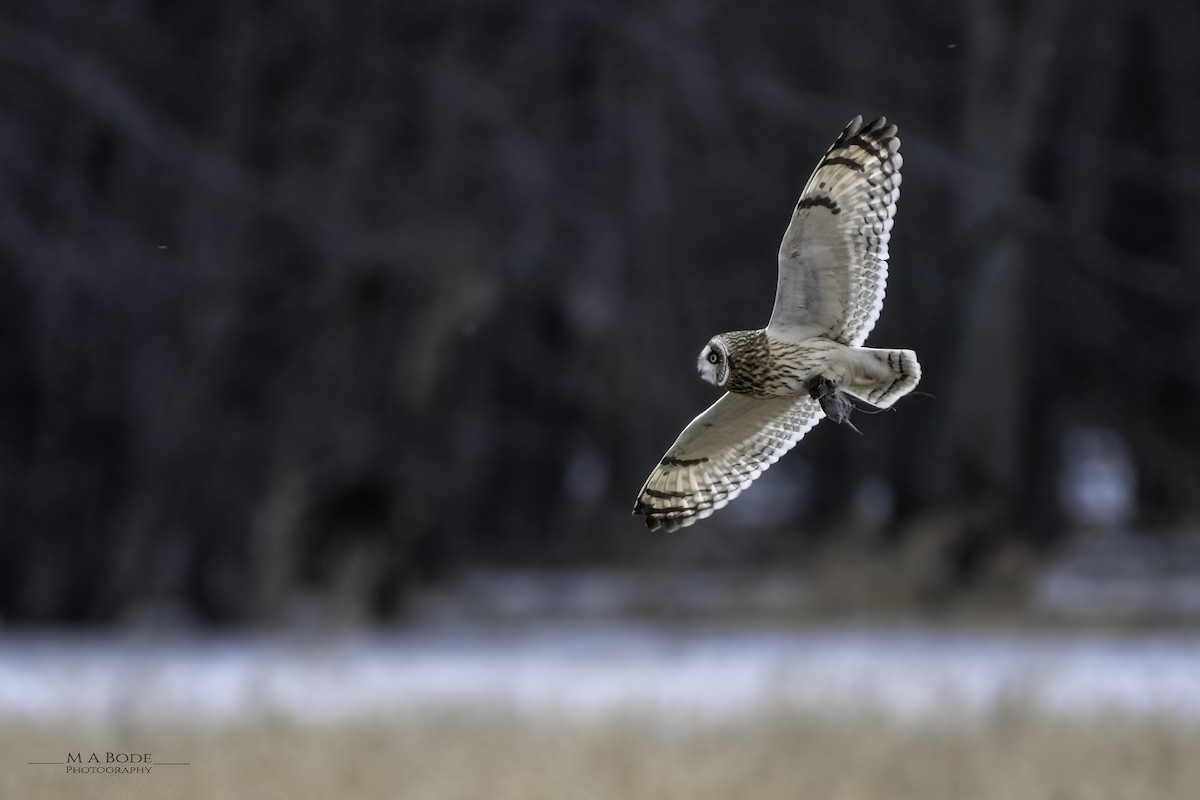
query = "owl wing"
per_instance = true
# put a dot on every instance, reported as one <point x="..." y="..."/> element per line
<point x="719" y="454"/>
<point x="833" y="258"/>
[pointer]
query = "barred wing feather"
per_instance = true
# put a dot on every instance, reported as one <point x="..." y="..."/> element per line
<point x="833" y="258"/>
<point x="719" y="454"/>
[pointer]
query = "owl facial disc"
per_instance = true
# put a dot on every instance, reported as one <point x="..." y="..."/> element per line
<point x="713" y="363"/>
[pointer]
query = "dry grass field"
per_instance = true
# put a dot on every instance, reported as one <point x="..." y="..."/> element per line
<point x="1012" y="754"/>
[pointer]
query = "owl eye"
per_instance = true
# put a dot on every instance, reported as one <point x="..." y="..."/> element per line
<point x="713" y="358"/>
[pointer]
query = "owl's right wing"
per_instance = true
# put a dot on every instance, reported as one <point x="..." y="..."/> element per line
<point x="719" y="454"/>
<point x="834" y="254"/>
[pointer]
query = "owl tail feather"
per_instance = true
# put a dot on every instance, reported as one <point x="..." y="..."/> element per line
<point x="881" y="377"/>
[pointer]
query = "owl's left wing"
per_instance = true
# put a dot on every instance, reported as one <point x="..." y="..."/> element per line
<point x="719" y="454"/>
<point x="833" y="258"/>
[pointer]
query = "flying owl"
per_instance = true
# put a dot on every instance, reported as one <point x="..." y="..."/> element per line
<point x="782" y="380"/>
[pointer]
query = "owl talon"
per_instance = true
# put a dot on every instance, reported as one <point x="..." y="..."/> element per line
<point x="820" y="387"/>
<point x="836" y="405"/>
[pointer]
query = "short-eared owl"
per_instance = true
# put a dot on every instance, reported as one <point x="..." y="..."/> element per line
<point x="781" y="380"/>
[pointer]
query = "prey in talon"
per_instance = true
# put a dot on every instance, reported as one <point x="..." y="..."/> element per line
<point x="834" y="403"/>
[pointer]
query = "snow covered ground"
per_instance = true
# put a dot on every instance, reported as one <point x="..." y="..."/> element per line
<point x="589" y="669"/>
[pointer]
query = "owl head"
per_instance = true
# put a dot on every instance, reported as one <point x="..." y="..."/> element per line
<point x="713" y="364"/>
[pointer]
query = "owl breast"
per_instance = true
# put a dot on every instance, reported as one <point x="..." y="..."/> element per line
<point x="761" y="366"/>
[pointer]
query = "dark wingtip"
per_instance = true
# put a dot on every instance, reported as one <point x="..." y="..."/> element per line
<point x="640" y="508"/>
<point x="664" y="524"/>
<point x="655" y="522"/>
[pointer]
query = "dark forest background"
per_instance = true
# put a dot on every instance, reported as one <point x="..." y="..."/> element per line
<point x="312" y="296"/>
